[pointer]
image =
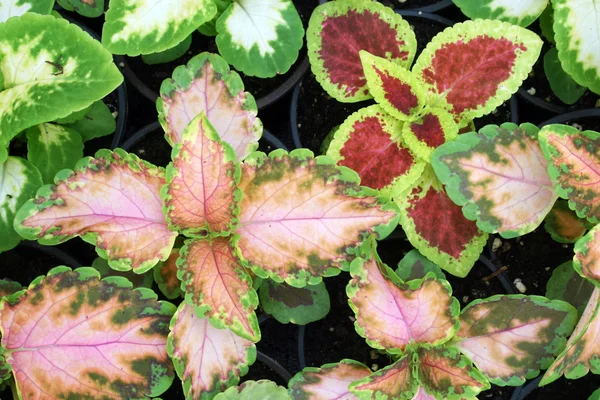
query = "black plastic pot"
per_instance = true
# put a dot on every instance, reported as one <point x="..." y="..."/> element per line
<point x="123" y="106"/>
<point x="539" y="103"/>
<point x="573" y="115"/>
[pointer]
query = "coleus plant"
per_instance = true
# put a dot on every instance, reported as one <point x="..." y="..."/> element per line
<point x="438" y="352"/>
<point x="465" y="72"/>
<point x="258" y="38"/>
<point x="575" y="29"/>
<point x="45" y="60"/>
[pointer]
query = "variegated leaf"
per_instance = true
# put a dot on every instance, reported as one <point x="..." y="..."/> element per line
<point x="137" y="280"/>
<point x="201" y="192"/>
<point x="587" y="256"/>
<point x="499" y="176"/>
<point x="423" y="395"/>
<point x="457" y="246"/>
<point x="87" y="8"/>
<point x="563" y="224"/>
<point x="430" y="130"/>
<point x="369" y="142"/>
<point x="448" y="375"/>
<point x="567" y="285"/>
<point x="415" y="266"/>
<point x="395" y="381"/>
<point x="299" y="306"/>
<point x="260" y="38"/>
<point x="397" y="90"/>
<point x="112" y="201"/>
<point x="19" y="179"/>
<point x="391" y="314"/>
<point x="207" y="359"/>
<point x="165" y="276"/>
<point x="136" y="27"/>
<point x="303" y="218"/>
<point x="330" y="382"/>
<point x="518" y="12"/>
<point x="511" y="337"/>
<point x="206" y="84"/>
<point x="96" y="122"/>
<point x="576" y="31"/>
<point x="72" y="335"/>
<point x="573" y="157"/>
<point x="262" y="389"/>
<point x="69" y="74"/>
<point x="52" y="147"/>
<point x="473" y="67"/>
<point x="334" y="43"/>
<point x="15" y="8"/>
<point x="218" y="286"/>
<point x="582" y="353"/>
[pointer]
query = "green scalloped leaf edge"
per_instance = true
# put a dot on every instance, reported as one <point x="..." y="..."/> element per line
<point x="484" y="9"/>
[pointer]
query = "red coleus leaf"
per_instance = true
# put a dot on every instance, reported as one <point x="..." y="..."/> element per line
<point x="574" y="158"/>
<point x="563" y="224"/>
<point x="397" y="90"/>
<point x="392" y="382"/>
<point x="391" y="315"/>
<point x="330" y="382"/>
<point x="72" y="335"/>
<point x="510" y="338"/>
<point x="303" y="218"/>
<point x="369" y="143"/>
<point x="454" y="247"/>
<point x="446" y="374"/>
<point x="499" y="176"/>
<point x="432" y="129"/>
<point x="201" y="192"/>
<point x="338" y="30"/>
<point x="473" y="67"/>
<point x="165" y="276"/>
<point x="112" y="201"/>
<point x="207" y="359"/>
<point x="219" y="287"/>
<point x="207" y="85"/>
<point x="582" y="351"/>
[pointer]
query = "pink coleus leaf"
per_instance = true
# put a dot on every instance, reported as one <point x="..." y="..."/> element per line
<point x="473" y="67"/>
<point x="391" y="314"/>
<point x="112" y="201"/>
<point x="72" y="335"/>
<point x="573" y="166"/>
<point x="165" y="276"/>
<point x="201" y="192"/>
<point x="563" y="224"/>
<point x="369" y="142"/>
<point x="219" y="287"/>
<point x="395" y="381"/>
<point x="499" y="176"/>
<point x="454" y="248"/>
<point x="511" y="337"/>
<point x="422" y="395"/>
<point x="582" y="351"/>
<point x="207" y="359"/>
<point x="303" y="218"/>
<point x="330" y="382"/>
<point x="446" y="374"/>
<point x="432" y="129"/>
<point x="207" y="85"/>
<point x="587" y="256"/>
<point x="397" y="90"/>
<point x="338" y="30"/>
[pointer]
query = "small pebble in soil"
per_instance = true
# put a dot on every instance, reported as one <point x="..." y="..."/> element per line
<point x="351" y="318"/>
<point x="547" y="268"/>
<point x="465" y="299"/>
<point x="519" y="285"/>
<point x="531" y="91"/>
<point x="331" y="329"/>
<point x="374" y="354"/>
<point x="496" y="244"/>
<point x="115" y="114"/>
<point x="121" y="64"/>
<point x="576" y="125"/>
<point x="374" y="367"/>
<point x="565" y="246"/>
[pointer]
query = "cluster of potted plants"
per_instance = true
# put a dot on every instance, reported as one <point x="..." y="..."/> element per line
<point x="203" y="233"/>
